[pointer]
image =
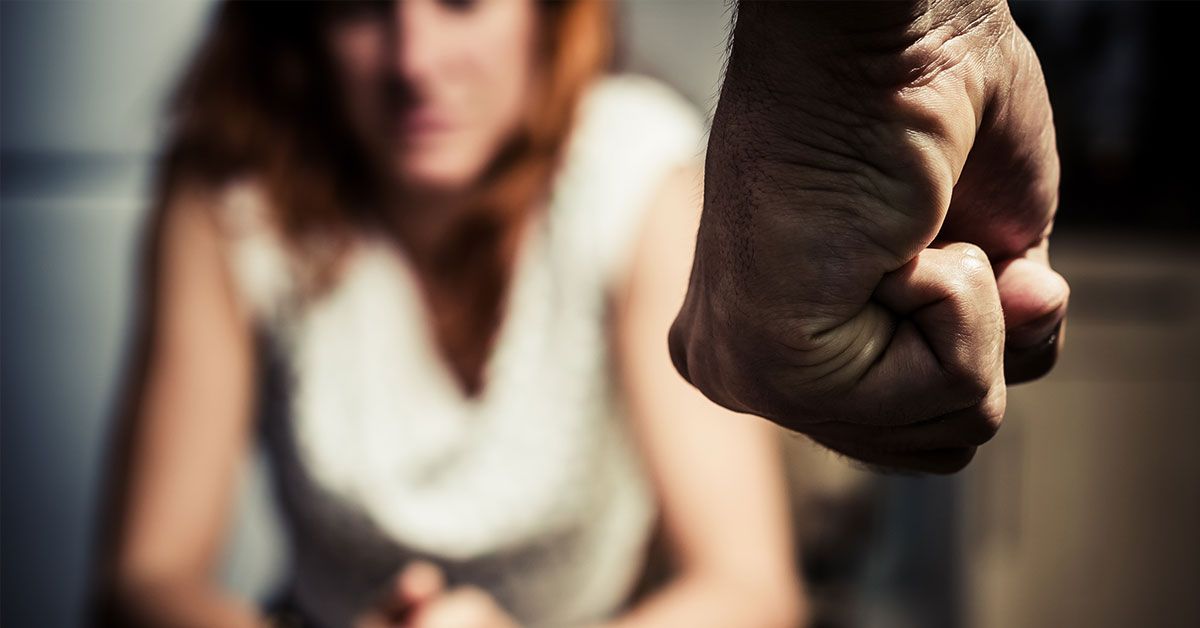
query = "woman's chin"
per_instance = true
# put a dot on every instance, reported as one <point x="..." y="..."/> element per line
<point x="436" y="176"/>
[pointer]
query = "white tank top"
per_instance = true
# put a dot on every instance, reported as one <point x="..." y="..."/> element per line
<point x="532" y="490"/>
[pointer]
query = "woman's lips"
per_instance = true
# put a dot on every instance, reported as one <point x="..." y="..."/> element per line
<point x="422" y="124"/>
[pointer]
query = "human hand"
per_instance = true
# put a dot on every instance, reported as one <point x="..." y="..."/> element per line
<point x="410" y="590"/>
<point x="418" y="598"/>
<point x="871" y="265"/>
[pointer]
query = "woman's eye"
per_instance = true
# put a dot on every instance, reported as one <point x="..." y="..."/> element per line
<point x="350" y="10"/>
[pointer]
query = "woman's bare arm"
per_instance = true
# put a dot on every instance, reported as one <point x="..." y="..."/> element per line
<point x="718" y="474"/>
<point x="185" y="435"/>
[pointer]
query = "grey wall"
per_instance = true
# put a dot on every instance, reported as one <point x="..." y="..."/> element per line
<point x="88" y="76"/>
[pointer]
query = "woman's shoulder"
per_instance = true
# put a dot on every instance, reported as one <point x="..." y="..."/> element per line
<point x="636" y="112"/>
<point x="238" y="207"/>
<point x="637" y="89"/>
<point x="632" y="133"/>
<point x="241" y="206"/>
<point x="245" y="225"/>
<point x="629" y="129"/>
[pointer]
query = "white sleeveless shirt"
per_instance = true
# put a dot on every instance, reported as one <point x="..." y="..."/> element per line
<point x="533" y="490"/>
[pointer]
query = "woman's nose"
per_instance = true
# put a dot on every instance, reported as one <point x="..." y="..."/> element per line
<point x="415" y="43"/>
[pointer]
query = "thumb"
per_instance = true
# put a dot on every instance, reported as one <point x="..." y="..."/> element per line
<point x="419" y="582"/>
<point x="1034" y="300"/>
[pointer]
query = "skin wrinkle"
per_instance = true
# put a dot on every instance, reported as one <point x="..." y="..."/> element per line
<point x="820" y="354"/>
<point x="842" y="252"/>
<point x="940" y="47"/>
<point x="854" y="161"/>
<point x="861" y="345"/>
<point x="896" y="49"/>
<point x="847" y="164"/>
<point x="821" y="262"/>
<point x="853" y="166"/>
<point x="945" y="54"/>
<point x="856" y="341"/>
<point x="852" y="227"/>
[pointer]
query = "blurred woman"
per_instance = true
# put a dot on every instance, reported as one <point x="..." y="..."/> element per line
<point x="435" y="251"/>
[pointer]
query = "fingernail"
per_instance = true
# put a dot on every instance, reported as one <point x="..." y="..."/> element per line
<point x="1035" y="335"/>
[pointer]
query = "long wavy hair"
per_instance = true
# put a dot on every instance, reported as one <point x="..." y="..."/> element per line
<point x="259" y="97"/>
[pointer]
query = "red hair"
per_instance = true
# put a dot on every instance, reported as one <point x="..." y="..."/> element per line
<point x="259" y="98"/>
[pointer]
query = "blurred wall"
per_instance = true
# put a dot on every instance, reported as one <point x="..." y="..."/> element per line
<point x="1084" y="510"/>
<point x="87" y="77"/>
<point x="79" y="81"/>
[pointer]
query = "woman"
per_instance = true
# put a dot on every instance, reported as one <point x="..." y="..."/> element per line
<point x="440" y="254"/>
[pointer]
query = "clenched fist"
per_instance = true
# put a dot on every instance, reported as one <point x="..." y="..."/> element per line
<point x="871" y="266"/>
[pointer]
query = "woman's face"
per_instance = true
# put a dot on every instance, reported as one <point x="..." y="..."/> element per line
<point x="433" y="88"/>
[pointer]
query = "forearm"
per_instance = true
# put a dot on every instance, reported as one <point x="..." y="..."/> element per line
<point x="704" y="601"/>
<point x="177" y="604"/>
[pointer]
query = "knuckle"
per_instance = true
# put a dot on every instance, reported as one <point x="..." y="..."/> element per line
<point x="982" y="428"/>
<point x="983" y="420"/>
<point x="969" y="251"/>
<point x="976" y="268"/>
<point x="677" y="344"/>
<point x="970" y="279"/>
<point x="974" y="386"/>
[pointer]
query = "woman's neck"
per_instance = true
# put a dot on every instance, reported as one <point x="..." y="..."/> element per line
<point x="422" y="220"/>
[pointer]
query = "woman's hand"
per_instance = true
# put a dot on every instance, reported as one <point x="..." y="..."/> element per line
<point x="417" y="598"/>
